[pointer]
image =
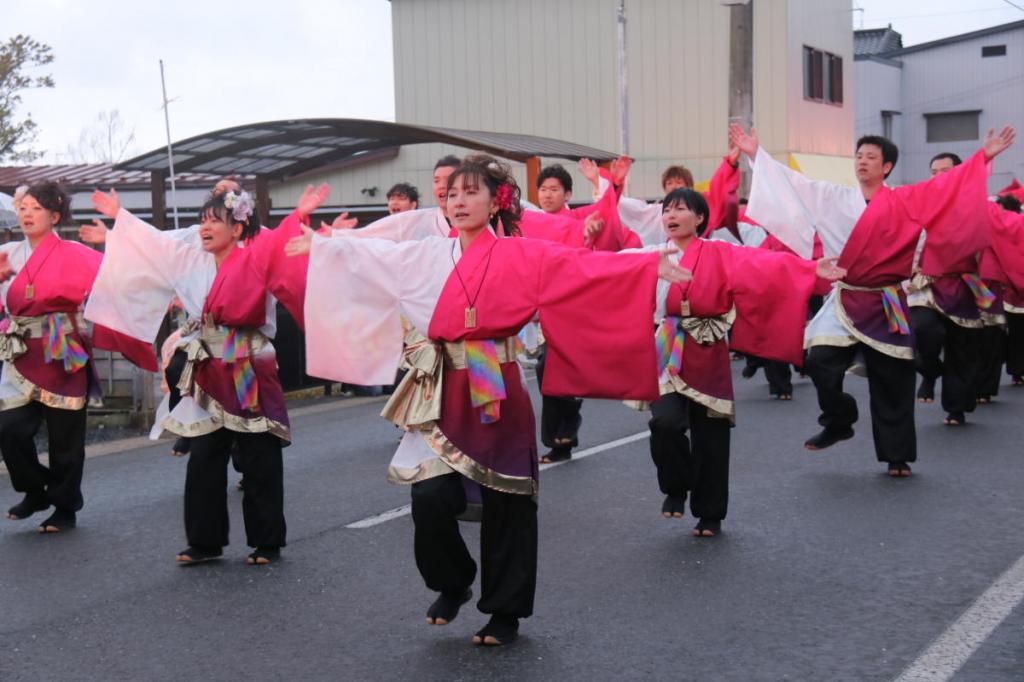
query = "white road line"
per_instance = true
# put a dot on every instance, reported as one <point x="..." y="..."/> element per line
<point x="399" y="512"/>
<point x="951" y="650"/>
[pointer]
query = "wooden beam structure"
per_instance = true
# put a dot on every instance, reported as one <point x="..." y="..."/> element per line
<point x="157" y="187"/>
<point x="532" y="173"/>
<point x="263" y="200"/>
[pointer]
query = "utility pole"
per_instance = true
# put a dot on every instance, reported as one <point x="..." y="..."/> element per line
<point x="741" y="69"/>
<point x="623" y="90"/>
<point x="170" y="149"/>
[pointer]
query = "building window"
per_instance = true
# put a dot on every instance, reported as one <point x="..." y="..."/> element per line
<point x="993" y="50"/>
<point x="823" y="76"/>
<point x="887" y="116"/>
<point x="954" y="126"/>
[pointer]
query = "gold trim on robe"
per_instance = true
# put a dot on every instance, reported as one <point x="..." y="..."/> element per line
<point x="416" y="406"/>
<point x="922" y="286"/>
<point x="899" y="352"/>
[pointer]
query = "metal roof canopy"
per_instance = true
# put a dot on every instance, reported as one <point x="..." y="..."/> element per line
<point x="278" y="150"/>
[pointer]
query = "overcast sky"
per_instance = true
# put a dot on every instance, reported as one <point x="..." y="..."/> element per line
<point x="234" y="63"/>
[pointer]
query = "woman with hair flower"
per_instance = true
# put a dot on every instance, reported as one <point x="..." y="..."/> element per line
<point x="464" y="404"/>
<point x="230" y="391"/>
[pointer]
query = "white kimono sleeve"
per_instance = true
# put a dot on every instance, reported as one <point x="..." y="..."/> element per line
<point x="357" y="291"/>
<point x="136" y="280"/>
<point x="644" y="219"/>
<point x="402" y="227"/>
<point x="793" y="208"/>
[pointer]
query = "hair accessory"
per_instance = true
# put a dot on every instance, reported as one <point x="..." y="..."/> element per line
<point x="504" y="196"/>
<point x="240" y="205"/>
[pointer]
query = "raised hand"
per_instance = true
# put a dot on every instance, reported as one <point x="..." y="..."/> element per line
<point x="620" y="169"/>
<point x="592" y="226"/>
<point x="93" y="234"/>
<point x="311" y="199"/>
<point x="589" y="169"/>
<point x="747" y="142"/>
<point x="669" y="270"/>
<point x="827" y="269"/>
<point x="300" y="246"/>
<point x="733" y="155"/>
<point x="6" y="271"/>
<point x="995" y="145"/>
<point x="106" y="204"/>
<point x="343" y="222"/>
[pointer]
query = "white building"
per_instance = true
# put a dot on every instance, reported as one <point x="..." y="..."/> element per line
<point x="941" y="96"/>
<point x="551" y="69"/>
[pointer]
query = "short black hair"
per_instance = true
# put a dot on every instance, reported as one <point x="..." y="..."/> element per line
<point x="691" y="199"/>
<point x="558" y="172"/>
<point x="946" y="155"/>
<point x="52" y="197"/>
<point x="890" y="152"/>
<point x="450" y="161"/>
<point x="404" y="189"/>
<point x="1009" y="202"/>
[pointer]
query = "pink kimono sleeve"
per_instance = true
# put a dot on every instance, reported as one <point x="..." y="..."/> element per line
<point x="285" y="276"/>
<point x="597" y="313"/>
<point x="952" y="208"/>
<point x="1008" y="243"/>
<point x="723" y="204"/>
<point x="139" y="353"/>
<point x="771" y="291"/>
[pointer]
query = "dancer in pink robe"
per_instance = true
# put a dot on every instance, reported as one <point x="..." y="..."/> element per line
<point x="758" y="296"/>
<point x="46" y="348"/>
<point x="874" y="229"/>
<point x="231" y="394"/>
<point x="464" y="403"/>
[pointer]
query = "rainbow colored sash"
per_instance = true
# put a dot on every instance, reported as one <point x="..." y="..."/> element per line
<point x="669" y="340"/>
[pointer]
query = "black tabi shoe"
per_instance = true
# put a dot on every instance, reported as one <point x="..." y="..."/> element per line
<point x="984" y="399"/>
<point x="500" y="630"/>
<point x="673" y="507"/>
<point x="241" y="484"/>
<point x="198" y="555"/>
<point x="446" y="607"/>
<point x="899" y="470"/>
<point x="59" y="520"/>
<point x="181" y="447"/>
<point x="707" y="529"/>
<point x="263" y="556"/>
<point x="926" y="393"/>
<point x="1017" y="380"/>
<point x="955" y="419"/>
<point x="749" y="371"/>
<point x="32" y="503"/>
<point x="827" y="438"/>
<point x="557" y="454"/>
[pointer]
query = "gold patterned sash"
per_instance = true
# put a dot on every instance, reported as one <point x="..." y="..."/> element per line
<point x="209" y="343"/>
<point x="19" y="328"/>
<point x="416" y="402"/>
<point x="709" y="330"/>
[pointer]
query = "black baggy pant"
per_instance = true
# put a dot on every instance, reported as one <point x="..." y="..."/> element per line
<point x="559" y="417"/>
<point x="778" y="374"/>
<point x="508" y="544"/>
<point x="258" y="456"/>
<point x="1015" y="344"/>
<point x="698" y="464"/>
<point x="61" y="481"/>
<point x="992" y="353"/>
<point x="960" y="364"/>
<point x="891" y="390"/>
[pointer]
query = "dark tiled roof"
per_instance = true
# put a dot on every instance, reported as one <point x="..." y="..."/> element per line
<point x="992" y="30"/>
<point x="873" y="41"/>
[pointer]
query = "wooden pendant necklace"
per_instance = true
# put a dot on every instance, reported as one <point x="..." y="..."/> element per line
<point x="470" y="312"/>
<point x="30" y="288"/>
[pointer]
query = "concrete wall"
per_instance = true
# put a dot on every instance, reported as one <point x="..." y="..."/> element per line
<point x="877" y="87"/>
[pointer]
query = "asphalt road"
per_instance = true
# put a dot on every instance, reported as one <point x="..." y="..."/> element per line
<point x="827" y="569"/>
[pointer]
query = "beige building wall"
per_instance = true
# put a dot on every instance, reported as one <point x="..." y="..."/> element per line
<point x="550" y="68"/>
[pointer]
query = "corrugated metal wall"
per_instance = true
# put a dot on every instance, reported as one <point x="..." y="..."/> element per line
<point x="550" y="68"/>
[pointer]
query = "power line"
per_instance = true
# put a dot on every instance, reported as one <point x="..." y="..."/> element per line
<point x="1011" y="4"/>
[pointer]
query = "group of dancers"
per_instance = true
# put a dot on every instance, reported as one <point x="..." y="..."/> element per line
<point x="634" y="301"/>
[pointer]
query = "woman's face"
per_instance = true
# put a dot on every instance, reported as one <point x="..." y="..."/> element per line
<point x="35" y="220"/>
<point x="218" y="236"/>
<point x="470" y="204"/>
<point x="679" y="221"/>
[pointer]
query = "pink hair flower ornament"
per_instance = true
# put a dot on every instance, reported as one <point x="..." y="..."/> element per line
<point x="504" y="196"/>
